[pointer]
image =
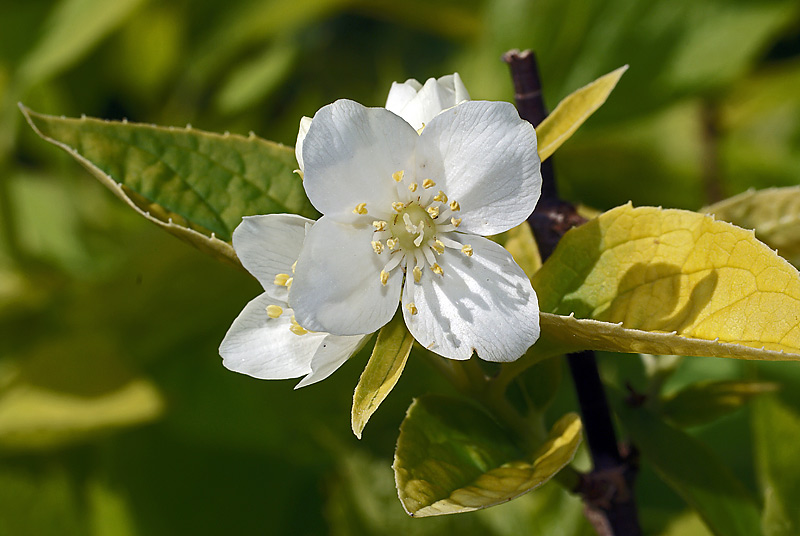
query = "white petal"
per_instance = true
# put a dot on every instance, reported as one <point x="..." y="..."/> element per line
<point x="337" y="287"/>
<point x="263" y="347"/>
<point x="331" y="355"/>
<point x="458" y="87"/>
<point x="305" y="123"/>
<point x="401" y="94"/>
<point x="483" y="155"/>
<point x="483" y="303"/>
<point x="350" y="154"/>
<point x="268" y="245"/>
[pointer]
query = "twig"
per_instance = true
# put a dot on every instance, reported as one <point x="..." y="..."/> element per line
<point x="608" y="490"/>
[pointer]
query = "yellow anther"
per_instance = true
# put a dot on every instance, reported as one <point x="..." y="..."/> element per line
<point x="455" y="221"/>
<point x="379" y="225"/>
<point x="361" y="208"/>
<point x="398" y="175"/>
<point x="398" y="206"/>
<point x="377" y="246"/>
<point x="438" y="247"/>
<point x="440" y="197"/>
<point x="413" y="186"/>
<point x="454" y="206"/>
<point x="437" y="269"/>
<point x="384" y="277"/>
<point x="289" y="283"/>
<point x="281" y="279"/>
<point x="467" y="250"/>
<point x="427" y="184"/>
<point x="296" y="328"/>
<point x="294" y="266"/>
<point x="417" y="274"/>
<point x="412" y="308"/>
<point x="433" y="211"/>
<point x="392" y="243"/>
<point x="274" y="311"/>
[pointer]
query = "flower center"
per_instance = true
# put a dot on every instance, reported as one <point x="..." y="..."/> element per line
<point x="421" y="226"/>
<point x="412" y="227"/>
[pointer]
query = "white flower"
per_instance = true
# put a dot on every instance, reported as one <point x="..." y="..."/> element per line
<point x="265" y="341"/>
<point x="402" y="215"/>
<point x="418" y="104"/>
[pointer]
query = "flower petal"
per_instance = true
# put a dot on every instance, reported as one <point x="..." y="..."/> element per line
<point x="401" y="94"/>
<point x="483" y="155"/>
<point x="269" y="245"/>
<point x="350" y="153"/>
<point x="305" y="124"/>
<point x="418" y="104"/>
<point x="337" y="287"/>
<point x="483" y="303"/>
<point x="263" y="347"/>
<point x="331" y="355"/>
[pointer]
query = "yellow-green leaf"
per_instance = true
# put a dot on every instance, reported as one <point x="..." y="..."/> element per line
<point x="668" y="282"/>
<point x="774" y="213"/>
<point x="383" y="369"/>
<point x="573" y="111"/>
<point x="451" y="457"/>
<point x="704" y="402"/>
<point x="196" y="185"/>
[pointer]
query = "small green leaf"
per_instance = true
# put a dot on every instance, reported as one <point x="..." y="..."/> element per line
<point x="694" y="472"/>
<point x="704" y="402"/>
<point x="773" y="213"/>
<point x="383" y="369"/>
<point x="777" y="433"/>
<point x="196" y="185"/>
<point x="573" y="111"/>
<point x="451" y="457"/>
<point x="668" y="282"/>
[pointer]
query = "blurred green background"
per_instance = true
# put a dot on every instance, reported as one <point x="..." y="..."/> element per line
<point x="116" y="416"/>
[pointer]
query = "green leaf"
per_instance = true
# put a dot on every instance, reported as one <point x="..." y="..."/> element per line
<point x="383" y="369"/>
<point x="452" y="458"/>
<point x="73" y="28"/>
<point x="773" y="213"/>
<point x="777" y="433"/>
<point x="196" y="185"/>
<point x="704" y="402"/>
<point x="668" y="282"/>
<point x="573" y="111"/>
<point x="694" y="472"/>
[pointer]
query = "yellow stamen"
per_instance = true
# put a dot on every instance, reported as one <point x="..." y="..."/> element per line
<point x="413" y="186"/>
<point x="417" y="274"/>
<point x="454" y="206"/>
<point x="392" y="243"/>
<point x="467" y="250"/>
<point x="281" y="279"/>
<point x="433" y="211"/>
<point x="361" y="208"/>
<point x="379" y="225"/>
<point x="438" y="247"/>
<point x="398" y="206"/>
<point x="398" y="175"/>
<point x="412" y="308"/>
<point x="289" y="283"/>
<point x="437" y="269"/>
<point x="274" y="311"/>
<point x="296" y="328"/>
<point x="384" y="277"/>
<point x="377" y="246"/>
<point x="455" y="221"/>
<point x="440" y="197"/>
<point x="427" y="183"/>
